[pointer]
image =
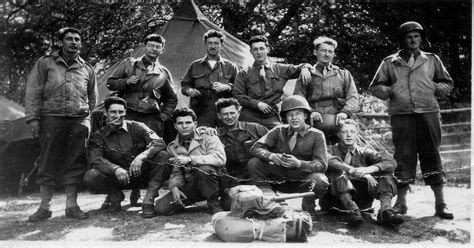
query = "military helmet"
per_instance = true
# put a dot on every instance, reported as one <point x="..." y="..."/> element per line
<point x="294" y="102"/>
<point x="411" y="26"/>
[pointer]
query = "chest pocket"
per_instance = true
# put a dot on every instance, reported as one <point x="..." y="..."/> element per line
<point x="201" y="81"/>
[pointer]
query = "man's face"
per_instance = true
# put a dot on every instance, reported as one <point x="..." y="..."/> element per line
<point x="324" y="53"/>
<point x="213" y="46"/>
<point x="296" y="118"/>
<point x="259" y="51"/>
<point x="115" y="115"/>
<point x="71" y="43"/>
<point x="348" y="134"/>
<point x="229" y="115"/>
<point x="185" y="125"/>
<point x="153" y="49"/>
<point x="412" y="40"/>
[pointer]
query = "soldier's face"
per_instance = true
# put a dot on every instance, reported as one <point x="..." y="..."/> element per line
<point x="185" y="125"/>
<point x="71" y="43"/>
<point x="153" y="49"/>
<point x="213" y="46"/>
<point x="412" y="40"/>
<point x="229" y="115"/>
<point x="296" y="118"/>
<point x="324" y="53"/>
<point x="348" y="134"/>
<point x="115" y="115"/>
<point x="259" y="51"/>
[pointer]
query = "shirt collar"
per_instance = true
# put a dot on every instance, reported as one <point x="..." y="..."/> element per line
<point x="197" y="136"/>
<point x="398" y="56"/>
<point x="344" y="149"/>
<point x="302" y="132"/>
<point x="57" y="56"/>
<point x="266" y="65"/>
<point x="109" y="130"/>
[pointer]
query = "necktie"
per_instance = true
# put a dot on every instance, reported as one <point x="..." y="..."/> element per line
<point x="411" y="60"/>
<point x="262" y="79"/>
<point x="348" y="158"/>
<point x="325" y="70"/>
<point x="292" y="142"/>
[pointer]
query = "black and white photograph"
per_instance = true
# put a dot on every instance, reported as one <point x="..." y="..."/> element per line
<point x="240" y="123"/>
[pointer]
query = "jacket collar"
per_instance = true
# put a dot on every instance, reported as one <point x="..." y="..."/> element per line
<point x="302" y="132"/>
<point x="58" y="58"/>
<point x="398" y="60"/>
<point x="109" y="130"/>
<point x="195" y="141"/>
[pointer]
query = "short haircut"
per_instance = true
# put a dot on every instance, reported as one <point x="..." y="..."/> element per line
<point x="181" y="112"/>
<point x="258" y="38"/>
<point x="114" y="100"/>
<point x="154" y="37"/>
<point x="214" y="33"/>
<point x="226" y="102"/>
<point x="63" y="31"/>
<point x="322" y="39"/>
<point x="348" y="122"/>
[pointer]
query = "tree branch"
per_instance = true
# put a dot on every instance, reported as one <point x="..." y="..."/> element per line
<point x="292" y="11"/>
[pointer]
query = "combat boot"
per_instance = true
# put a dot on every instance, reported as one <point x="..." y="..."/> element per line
<point x="213" y="205"/>
<point x="354" y="218"/>
<point x="389" y="218"/>
<point x="39" y="215"/>
<point x="441" y="212"/>
<point x="76" y="213"/>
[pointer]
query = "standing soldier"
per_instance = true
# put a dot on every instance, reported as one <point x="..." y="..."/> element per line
<point x="292" y="154"/>
<point x="412" y="80"/>
<point x="147" y="86"/>
<point x="208" y="79"/>
<point x="259" y="87"/>
<point x="237" y="137"/>
<point x="60" y="94"/>
<point x="331" y="93"/>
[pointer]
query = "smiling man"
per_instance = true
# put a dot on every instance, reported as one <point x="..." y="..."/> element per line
<point x="292" y="155"/>
<point x="61" y="92"/>
<point x="208" y="79"/>
<point x="124" y="155"/>
<point x="237" y="137"/>
<point x="259" y="87"/>
<point x="331" y="92"/>
<point x="357" y="176"/>
<point x="412" y="81"/>
<point x="198" y="159"/>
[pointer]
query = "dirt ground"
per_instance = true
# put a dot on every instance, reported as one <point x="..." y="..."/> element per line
<point x="420" y="227"/>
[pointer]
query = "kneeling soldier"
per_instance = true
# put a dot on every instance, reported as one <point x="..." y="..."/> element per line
<point x="292" y="154"/>
<point x="198" y="160"/>
<point x="359" y="175"/>
<point x="126" y="154"/>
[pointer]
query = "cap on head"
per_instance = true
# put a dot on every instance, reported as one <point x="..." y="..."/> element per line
<point x="411" y="26"/>
<point x="294" y="102"/>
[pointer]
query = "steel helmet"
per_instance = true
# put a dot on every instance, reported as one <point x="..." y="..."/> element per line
<point x="294" y="102"/>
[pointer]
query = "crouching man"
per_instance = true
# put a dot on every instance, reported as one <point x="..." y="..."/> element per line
<point x="198" y="160"/>
<point x="124" y="155"/>
<point x="358" y="176"/>
<point x="292" y="155"/>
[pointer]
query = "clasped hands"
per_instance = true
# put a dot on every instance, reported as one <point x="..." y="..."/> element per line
<point x="285" y="160"/>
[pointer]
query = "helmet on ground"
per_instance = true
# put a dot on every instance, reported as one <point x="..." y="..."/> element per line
<point x="294" y="102"/>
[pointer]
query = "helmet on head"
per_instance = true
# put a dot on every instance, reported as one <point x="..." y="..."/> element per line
<point x="294" y="102"/>
<point x="411" y="26"/>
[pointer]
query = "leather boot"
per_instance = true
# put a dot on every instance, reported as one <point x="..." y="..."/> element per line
<point x="39" y="215"/>
<point x="441" y="212"/>
<point x="213" y="205"/>
<point x="116" y="198"/>
<point x="308" y="204"/>
<point x="76" y="213"/>
<point x="354" y="219"/>
<point x="148" y="211"/>
<point x="106" y="204"/>
<point x="389" y="218"/>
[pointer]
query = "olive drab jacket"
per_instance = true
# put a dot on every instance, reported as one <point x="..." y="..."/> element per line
<point x="154" y="91"/>
<point x="332" y="93"/>
<point x="411" y="90"/>
<point x="56" y="89"/>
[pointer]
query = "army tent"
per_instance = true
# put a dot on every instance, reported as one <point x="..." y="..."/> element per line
<point x="184" y="43"/>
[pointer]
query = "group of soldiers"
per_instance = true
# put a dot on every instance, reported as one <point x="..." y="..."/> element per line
<point x="238" y="129"/>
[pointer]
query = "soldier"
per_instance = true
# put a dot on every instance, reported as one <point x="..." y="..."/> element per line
<point x="198" y="161"/>
<point x="359" y="175"/>
<point x="259" y="87"/>
<point x="293" y="155"/>
<point x="147" y="86"/>
<point x="331" y="92"/>
<point x="237" y="137"/>
<point x="61" y="92"/>
<point x="412" y="80"/>
<point x="208" y="79"/>
<point x="125" y="154"/>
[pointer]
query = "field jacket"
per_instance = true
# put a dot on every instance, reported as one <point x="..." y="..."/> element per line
<point x="203" y="150"/>
<point x="56" y="89"/>
<point x="411" y="90"/>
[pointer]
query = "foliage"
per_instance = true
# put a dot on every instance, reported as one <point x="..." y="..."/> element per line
<point x="366" y="32"/>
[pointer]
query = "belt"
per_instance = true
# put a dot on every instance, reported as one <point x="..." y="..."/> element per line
<point x="323" y="103"/>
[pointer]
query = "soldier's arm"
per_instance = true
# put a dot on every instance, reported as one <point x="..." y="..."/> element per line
<point x="382" y="161"/>
<point x="92" y="92"/>
<point x="96" y="156"/>
<point x="320" y="161"/>
<point x="215" y="153"/>
<point x="292" y="71"/>
<point x="444" y="82"/>
<point x="34" y="90"/>
<point x="170" y="99"/>
<point x="335" y="163"/>
<point x="240" y="92"/>
<point x="154" y="143"/>
<point x="381" y="83"/>
<point x="188" y="81"/>
<point x="352" y="97"/>
<point x="118" y="80"/>
<point x="261" y="148"/>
